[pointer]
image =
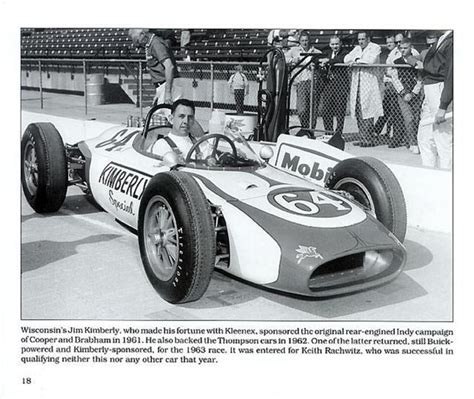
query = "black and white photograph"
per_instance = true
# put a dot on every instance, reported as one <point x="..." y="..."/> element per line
<point x="260" y="193"/>
<point x="236" y="174"/>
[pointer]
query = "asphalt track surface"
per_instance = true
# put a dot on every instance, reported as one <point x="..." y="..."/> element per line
<point x="79" y="263"/>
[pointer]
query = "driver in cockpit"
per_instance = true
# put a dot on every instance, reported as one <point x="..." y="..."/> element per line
<point x="188" y="141"/>
<point x="180" y="139"/>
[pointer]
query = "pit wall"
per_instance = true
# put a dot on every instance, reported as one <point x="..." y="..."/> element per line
<point x="428" y="192"/>
<point x="72" y="130"/>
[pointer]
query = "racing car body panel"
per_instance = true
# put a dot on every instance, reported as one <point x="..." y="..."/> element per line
<point x="294" y="239"/>
<point x="309" y="159"/>
<point x="304" y="249"/>
<point x="284" y="196"/>
<point x="119" y="174"/>
<point x="254" y="254"/>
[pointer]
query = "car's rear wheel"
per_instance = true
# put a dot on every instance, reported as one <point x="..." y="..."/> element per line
<point x="176" y="237"/>
<point x="44" y="167"/>
<point x="373" y="185"/>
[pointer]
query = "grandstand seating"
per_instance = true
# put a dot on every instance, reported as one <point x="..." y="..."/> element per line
<point x="206" y="44"/>
<point x="75" y="43"/>
<point x="114" y="43"/>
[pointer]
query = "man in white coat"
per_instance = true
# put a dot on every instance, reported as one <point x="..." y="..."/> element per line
<point x="366" y="98"/>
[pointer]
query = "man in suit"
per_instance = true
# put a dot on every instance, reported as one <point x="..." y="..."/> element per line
<point x="335" y="86"/>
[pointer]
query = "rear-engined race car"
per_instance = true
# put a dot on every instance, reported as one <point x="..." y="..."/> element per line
<point x="297" y="216"/>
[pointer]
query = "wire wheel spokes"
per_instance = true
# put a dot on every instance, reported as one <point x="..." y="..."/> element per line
<point x="162" y="240"/>
<point x="30" y="168"/>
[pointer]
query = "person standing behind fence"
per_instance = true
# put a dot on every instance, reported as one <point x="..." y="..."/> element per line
<point x="283" y="38"/>
<point x="365" y="96"/>
<point x="396" y="52"/>
<point x="391" y="112"/>
<point x="161" y="65"/>
<point x="408" y="85"/>
<point x="391" y="106"/>
<point x="239" y="84"/>
<point x="436" y="139"/>
<point x="335" y="86"/>
<point x="303" y="81"/>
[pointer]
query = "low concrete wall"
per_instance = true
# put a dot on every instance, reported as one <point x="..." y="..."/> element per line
<point x="428" y="192"/>
<point x="72" y="130"/>
<point x="428" y="195"/>
<point x="195" y="88"/>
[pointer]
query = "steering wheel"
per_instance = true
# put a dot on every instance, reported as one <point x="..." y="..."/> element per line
<point x="211" y="159"/>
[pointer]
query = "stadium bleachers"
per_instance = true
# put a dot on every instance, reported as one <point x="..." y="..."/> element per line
<point x="75" y="43"/>
<point x="206" y="44"/>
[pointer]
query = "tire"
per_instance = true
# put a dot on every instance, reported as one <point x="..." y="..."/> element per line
<point x="179" y="262"/>
<point x="44" y="167"/>
<point x="375" y="187"/>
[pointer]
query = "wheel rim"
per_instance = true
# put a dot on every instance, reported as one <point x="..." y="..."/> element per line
<point x="30" y="168"/>
<point x="358" y="191"/>
<point x="161" y="238"/>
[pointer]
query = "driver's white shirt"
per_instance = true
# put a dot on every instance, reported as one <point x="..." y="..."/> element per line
<point x="183" y="143"/>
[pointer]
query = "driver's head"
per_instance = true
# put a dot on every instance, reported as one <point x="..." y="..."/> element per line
<point x="182" y="116"/>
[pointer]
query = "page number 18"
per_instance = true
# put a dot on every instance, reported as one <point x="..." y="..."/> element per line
<point x="26" y="380"/>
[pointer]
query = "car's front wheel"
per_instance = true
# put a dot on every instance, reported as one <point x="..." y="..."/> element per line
<point x="44" y="167"/>
<point x="374" y="186"/>
<point x="176" y="237"/>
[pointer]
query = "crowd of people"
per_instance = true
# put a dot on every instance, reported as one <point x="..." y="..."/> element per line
<point x="408" y="94"/>
<point x="398" y="88"/>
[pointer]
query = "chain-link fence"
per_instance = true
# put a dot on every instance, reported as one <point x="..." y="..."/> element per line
<point x="369" y="105"/>
<point x="231" y="87"/>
